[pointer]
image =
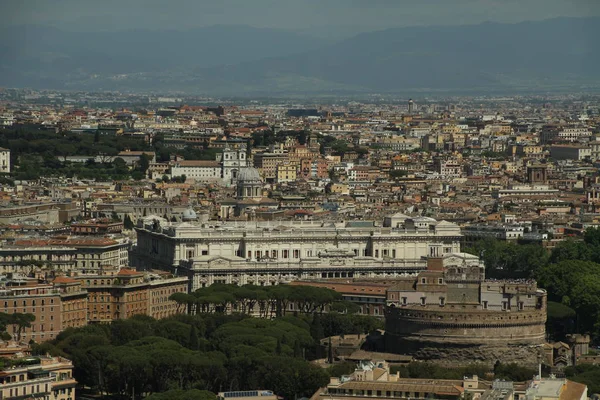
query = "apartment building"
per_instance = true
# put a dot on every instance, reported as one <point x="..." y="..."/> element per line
<point x="369" y="296"/>
<point x="101" y="226"/>
<point x="267" y="163"/>
<point x="373" y="379"/>
<point x="399" y="143"/>
<point x="363" y="173"/>
<point x="56" y="306"/>
<point x="90" y="253"/>
<point x="286" y="172"/>
<point x="48" y="378"/>
<point x="564" y="133"/>
<point x="125" y="293"/>
<point x="29" y="259"/>
<point x="46" y="213"/>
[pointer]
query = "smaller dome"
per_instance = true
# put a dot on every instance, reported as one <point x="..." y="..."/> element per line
<point x="189" y="215"/>
<point x="249" y="174"/>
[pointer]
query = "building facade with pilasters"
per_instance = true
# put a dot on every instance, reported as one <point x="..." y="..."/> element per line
<point x="268" y="253"/>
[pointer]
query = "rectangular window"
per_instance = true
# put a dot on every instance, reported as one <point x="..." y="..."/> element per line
<point x="404" y="301"/>
<point x="442" y="301"/>
<point x="484" y="304"/>
<point x="423" y="299"/>
<point x="296" y="253"/>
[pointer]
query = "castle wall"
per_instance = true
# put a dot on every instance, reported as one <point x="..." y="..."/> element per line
<point x="463" y="293"/>
<point x="465" y="334"/>
<point x="453" y="356"/>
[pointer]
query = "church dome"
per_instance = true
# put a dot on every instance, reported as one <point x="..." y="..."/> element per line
<point x="189" y="215"/>
<point x="249" y="175"/>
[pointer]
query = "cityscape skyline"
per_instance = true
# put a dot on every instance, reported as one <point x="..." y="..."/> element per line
<point x="309" y="199"/>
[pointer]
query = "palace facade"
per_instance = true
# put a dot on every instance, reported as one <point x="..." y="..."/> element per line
<point x="273" y="252"/>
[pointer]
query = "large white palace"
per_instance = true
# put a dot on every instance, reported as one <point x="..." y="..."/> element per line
<point x="272" y="252"/>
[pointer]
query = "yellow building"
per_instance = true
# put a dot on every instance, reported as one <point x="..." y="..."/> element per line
<point x="286" y="173"/>
<point x="339" y="188"/>
<point x="450" y="128"/>
<point x="267" y="163"/>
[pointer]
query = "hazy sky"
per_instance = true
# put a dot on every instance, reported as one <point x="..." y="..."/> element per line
<point x="302" y="15"/>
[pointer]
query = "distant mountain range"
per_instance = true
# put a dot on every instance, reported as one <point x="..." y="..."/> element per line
<point x="557" y="54"/>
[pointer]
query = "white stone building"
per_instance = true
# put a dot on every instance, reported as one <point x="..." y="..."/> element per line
<point x="225" y="169"/>
<point x="4" y="161"/>
<point x="268" y="253"/>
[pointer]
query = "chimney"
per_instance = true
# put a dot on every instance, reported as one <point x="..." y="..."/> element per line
<point x="435" y="264"/>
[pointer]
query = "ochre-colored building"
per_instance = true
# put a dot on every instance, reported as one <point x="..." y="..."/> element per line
<point x="369" y="296"/>
<point x="126" y="293"/>
<point x="55" y="307"/>
<point x="74" y="302"/>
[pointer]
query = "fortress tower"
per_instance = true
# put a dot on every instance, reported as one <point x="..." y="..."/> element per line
<point x="451" y="312"/>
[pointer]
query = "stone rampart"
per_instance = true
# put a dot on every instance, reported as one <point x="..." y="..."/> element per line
<point x="465" y="335"/>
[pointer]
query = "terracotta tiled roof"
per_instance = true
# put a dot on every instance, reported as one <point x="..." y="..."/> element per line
<point x="66" y="242"/>
<point x="128" y="272"/>
<point x="64" y="279"/>
<point x="572" y="391"/>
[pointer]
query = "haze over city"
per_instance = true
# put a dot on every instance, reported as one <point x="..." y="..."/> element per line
<point x="337" y="16"/>
<point x="275" y="48"/>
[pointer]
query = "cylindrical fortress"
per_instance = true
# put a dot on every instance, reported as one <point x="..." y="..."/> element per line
<point x="464" y="327"/>
<point x="451" y="313"/>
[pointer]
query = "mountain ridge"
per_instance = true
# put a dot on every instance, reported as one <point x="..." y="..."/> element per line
<point x="555" y="54"/>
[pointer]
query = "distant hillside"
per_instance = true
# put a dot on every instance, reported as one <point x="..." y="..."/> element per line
<point x="545" y="54"/>
<point x="557" y="54"/>
<point x="32" y="55"/>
